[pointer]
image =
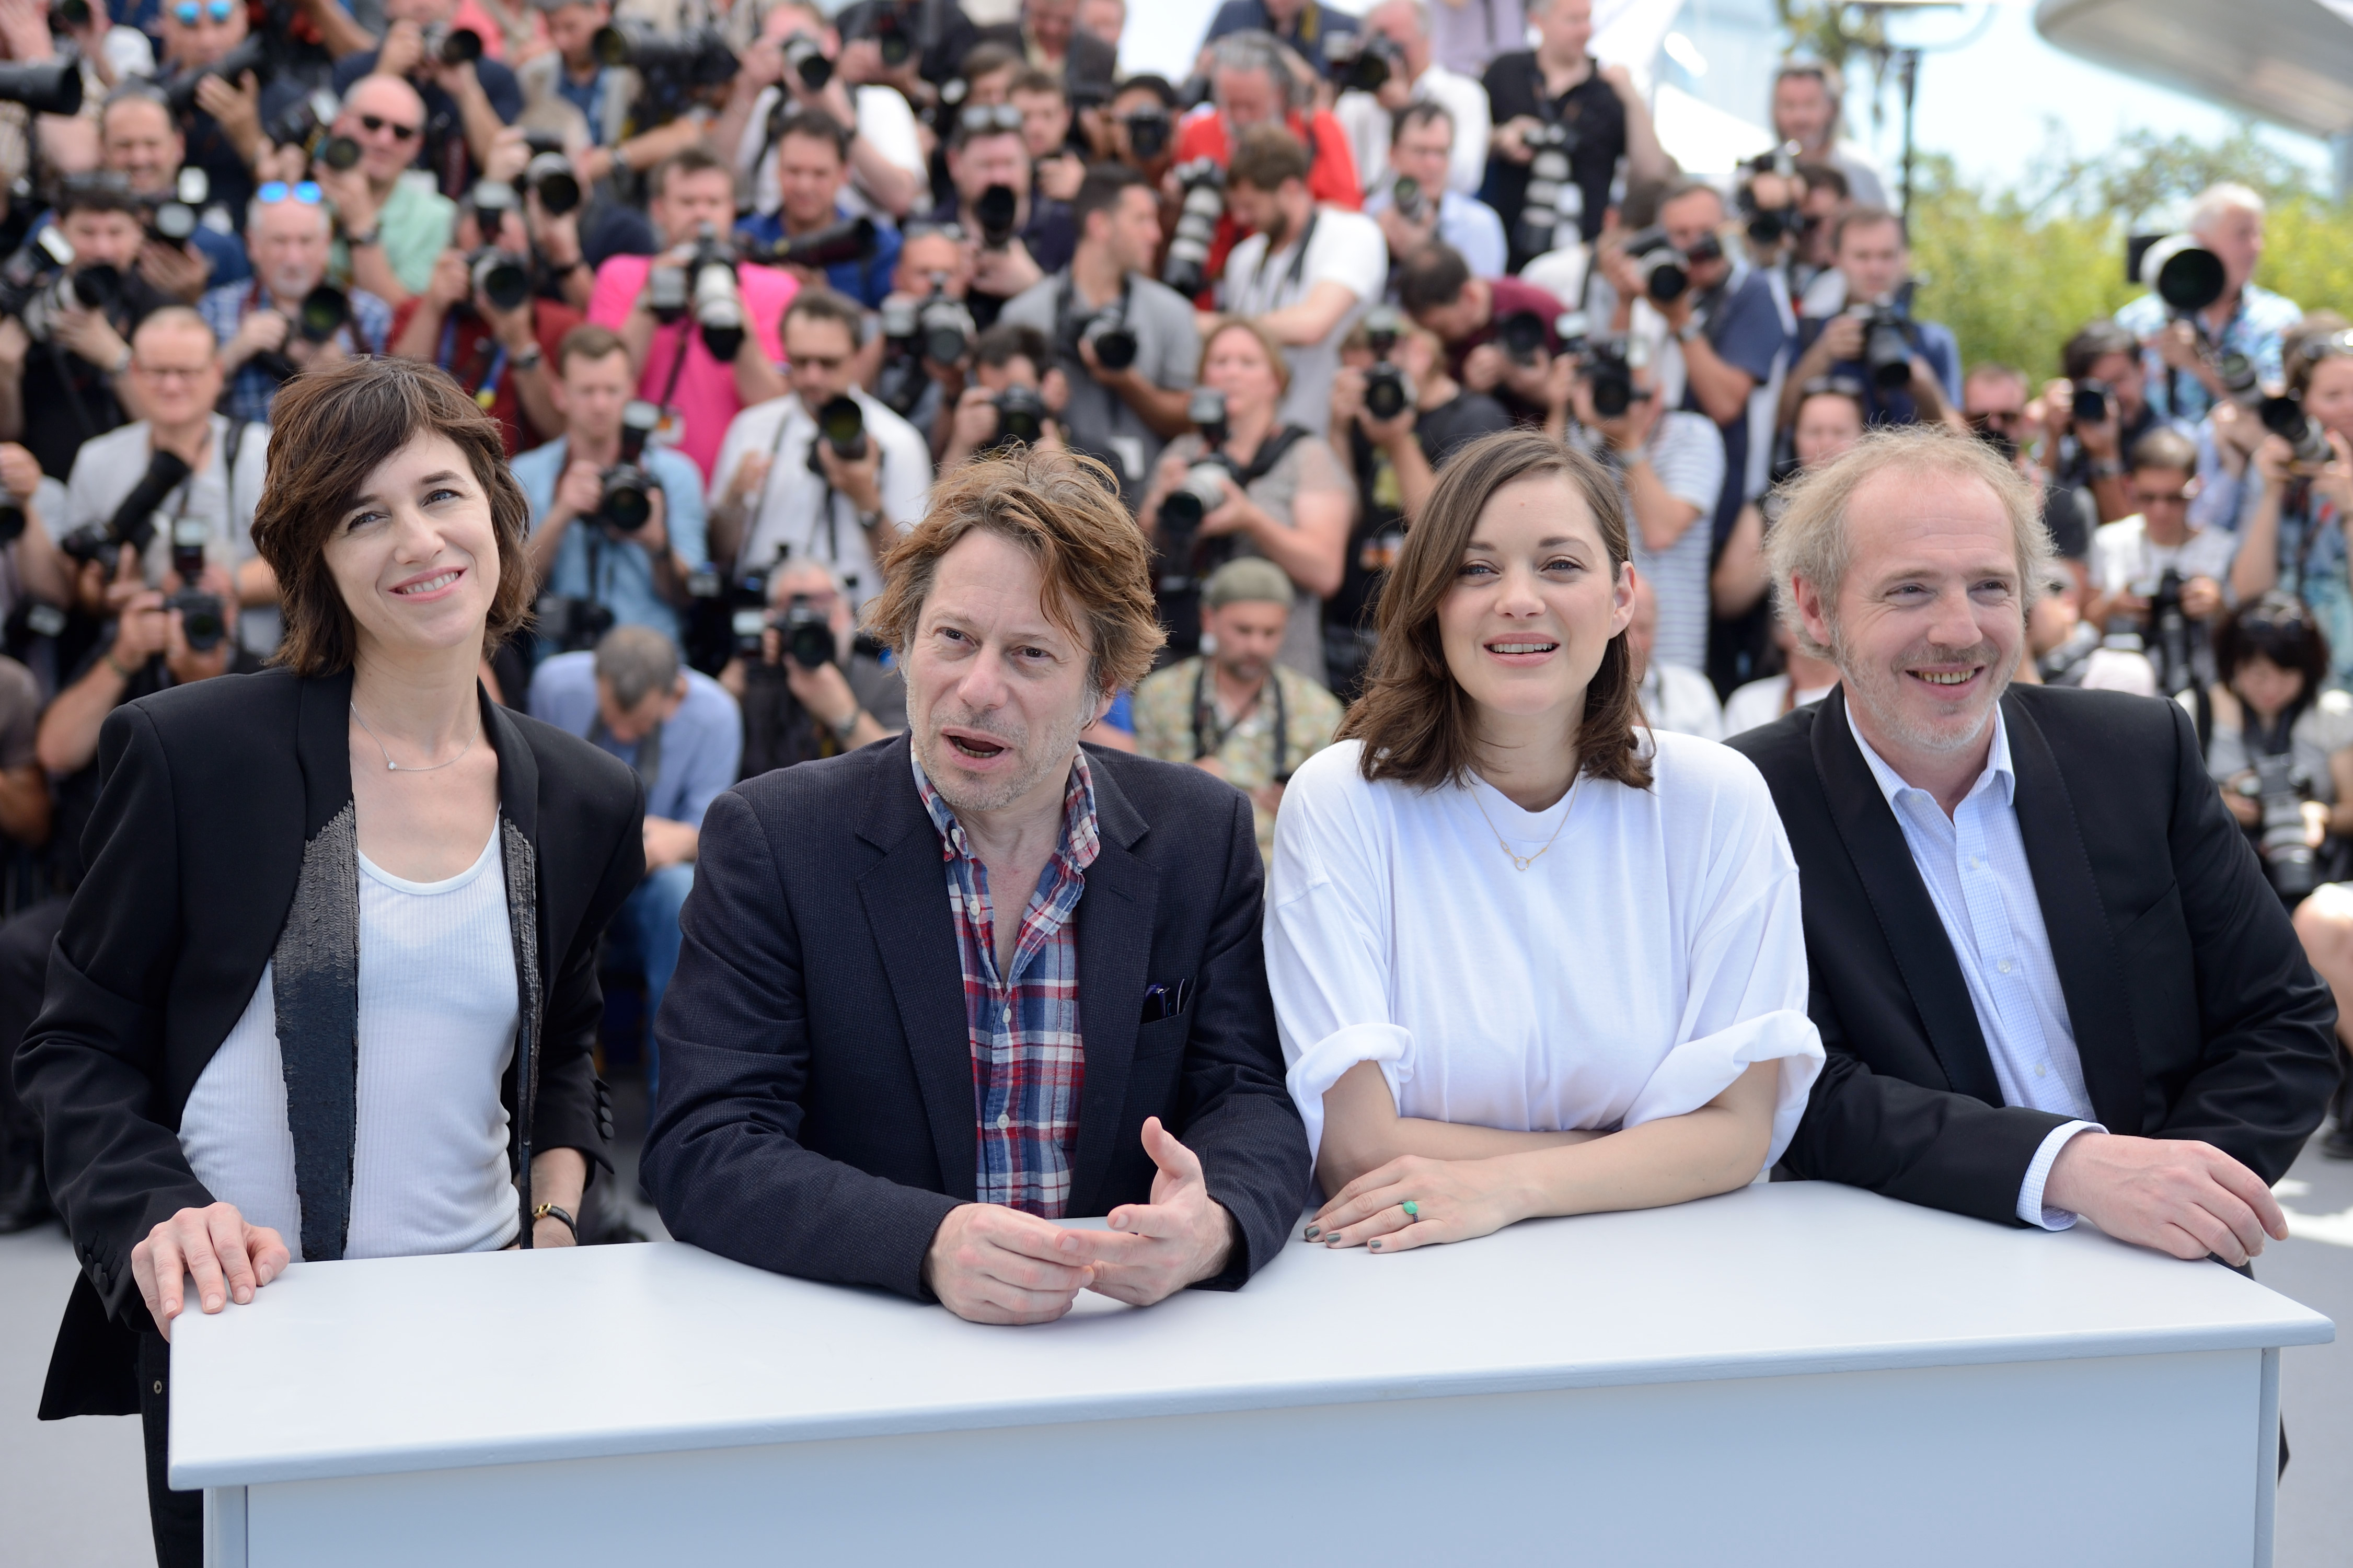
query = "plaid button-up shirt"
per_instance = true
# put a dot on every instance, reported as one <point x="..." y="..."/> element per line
<point x="1029" y="1064"/>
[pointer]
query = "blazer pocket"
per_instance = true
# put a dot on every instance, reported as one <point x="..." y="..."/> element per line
<point x="1163" y="1036"/>
<point x="2163" y="917"/>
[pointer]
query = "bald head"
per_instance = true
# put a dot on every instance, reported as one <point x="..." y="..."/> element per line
<point x="391" y="143"/>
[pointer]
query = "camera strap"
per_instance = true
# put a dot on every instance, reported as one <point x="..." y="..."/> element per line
<point x="485" y="391"/>
<point x="1205" y="720"/>
<point x="1298" y="266"/>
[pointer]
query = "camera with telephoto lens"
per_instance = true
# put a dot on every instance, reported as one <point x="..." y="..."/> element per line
<point x="747" y="606"/>
<point x="894" y="27"/>
<point x="1361" y="61"/>
<point x="452" y="46"/>
<point x="940" y="328"/>
<point x="676" y="67"/>
<point x="320" y="316"/>
<point x="1201" y="204"/>
<point x="255" y="53"/>
<point x="2092" y="402"/>
<point x="2241" y="382"/>
<point x="68" y="16"/>
<point x="1607" y="364"/>
<point x="1148" y="129"/>
<point x="2287" y="860"/>
<point x="98" y="288"/>
<point x="306" y="124"/>
<point x="1107" y="331"/>
<point x="1887" y="342"/>
<point x="807" y="61"/>
<point x="997" y="209"/>
<point x="1664" y="270"/>
<point x="32" y="270"/>
<point x="1388" y="392"/>
<point x="626" y="501"/>
<point x="2183" y="273"/>
<point x="1020" y="418"/>
<point x="841" y="426"/>
<point x="708" y="284"/>
<point x="134" y="522"/>
<point x="1201" y="492"/>
<point x="202" y="623"/>
<point x="2286" y="417"/>
<point x="498" y="277"/>
<point x="173" y="216"/>
<point x="851" y="239"/>
<point x="1521" y="336"/>
<point x="805" y="632"/>
<point x="1406" y="195"/>
<point x="550" y="174"/>
<point x="1553" y="212"/>
<point x="2170" y="639"/>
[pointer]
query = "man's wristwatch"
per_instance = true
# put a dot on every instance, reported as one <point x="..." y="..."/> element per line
<point x="1690" y="330"/>
<point x="121" y="362"/>
<point x="842" y="730"/>
<point x="870" y="521"/>
<point x="362" y="241"/>
<point x="529" y="356"/>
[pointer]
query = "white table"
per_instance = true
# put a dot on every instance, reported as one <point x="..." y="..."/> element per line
<point x="1799" y="1372"/>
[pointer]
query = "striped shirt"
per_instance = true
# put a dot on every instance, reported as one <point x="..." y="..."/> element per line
<point x="1687" y="451"/>
<point x="252" y="390"/>
<point x="1029" y="1063"/>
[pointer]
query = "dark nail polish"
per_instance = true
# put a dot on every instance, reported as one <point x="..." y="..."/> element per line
<point x="1376" y="1246"/>
<point x="1314" y="1231"/>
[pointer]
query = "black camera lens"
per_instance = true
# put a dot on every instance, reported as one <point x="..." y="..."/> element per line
<point x="627" y="501"/>
<point x="340" y="153"/>
<point x="1020" y="415"/>
<point x="806" y="634"/>
<point x="462" y="46"/>
<point x="808" y="61"/>
<point x="996" y="210"/>
<point x="202" y="621"/>
<point x="550" y="174"/>
<point x="1114" y="340"/>
<point x="1385" y="391"/>
<point x="2090" y="404"/>
<point x="1147" y="134"/>
<point x="842" y="423"/>
<point x="96" y="287"/>
<point x="323" y="312"/>
<point x="502" y="278"/>
<point x="1522" y="333"/>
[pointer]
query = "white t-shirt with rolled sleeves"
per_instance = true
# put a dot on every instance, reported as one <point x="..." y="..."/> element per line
<point x="1342" y="248"/>
<point x="796" y="508"/>
<point x="1368" y="126"/>
<point x="1631" y="973"/>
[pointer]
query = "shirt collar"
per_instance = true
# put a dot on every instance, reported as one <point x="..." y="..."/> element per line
<point x="1081" y="839"/>
<point x="1891" y="784"/>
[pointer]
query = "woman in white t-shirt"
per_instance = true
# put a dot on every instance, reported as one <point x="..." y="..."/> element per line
<point x="1527" y="957"/>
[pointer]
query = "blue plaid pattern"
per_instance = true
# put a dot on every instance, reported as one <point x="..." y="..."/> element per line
<point x="250" y="391"/>
<point x="1029" y="1063"/>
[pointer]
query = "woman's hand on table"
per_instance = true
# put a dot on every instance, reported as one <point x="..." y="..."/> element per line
<point x="229" y="1259"/>
<point x="1454" y="1200"/>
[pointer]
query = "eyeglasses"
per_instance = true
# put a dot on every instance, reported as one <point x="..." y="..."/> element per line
<point x="372" y="123"/>
<point x="169" y="372"/>
<point x="2161" y="498"/>
<point x="276" y="191"/>
<point x="187" y="11"/>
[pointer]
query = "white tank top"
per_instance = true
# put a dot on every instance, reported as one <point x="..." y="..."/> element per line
<point x="438" y="1009"/>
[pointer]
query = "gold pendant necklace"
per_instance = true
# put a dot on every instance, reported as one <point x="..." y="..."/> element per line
<point x="1521" y="862"/>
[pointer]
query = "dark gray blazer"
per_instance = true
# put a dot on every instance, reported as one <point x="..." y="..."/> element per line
<point x="816" y="1112"/>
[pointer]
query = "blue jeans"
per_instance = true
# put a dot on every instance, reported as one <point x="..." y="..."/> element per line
<point x="648" y="924"/>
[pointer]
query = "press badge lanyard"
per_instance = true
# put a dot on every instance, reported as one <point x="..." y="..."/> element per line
<point x="489" y="393"/>
<point x="1205" y="720"/>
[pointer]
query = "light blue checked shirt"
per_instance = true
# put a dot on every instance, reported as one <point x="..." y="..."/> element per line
<point x="1974" y="863"/>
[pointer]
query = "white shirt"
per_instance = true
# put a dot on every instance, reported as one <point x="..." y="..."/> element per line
<point x="1758" y="703"/>
<point x="1368" y="126"/>
<point x="110" y="467"/>
<point x="1678" y="697"/>
<point x="2123" y="561"/>
<point x="438" y="1009"/>
<point x="885" y="122"/>
<point x="1974" y="864"/>
<point x="791" y="509"/>
<point x="1343" y="247"/>
<point x="1631" y="973"/>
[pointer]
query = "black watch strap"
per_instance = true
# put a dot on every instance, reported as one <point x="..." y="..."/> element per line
<point x="549" y="1211"/>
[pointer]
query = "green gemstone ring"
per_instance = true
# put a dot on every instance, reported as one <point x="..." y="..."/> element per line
<point x="1412" y="1210"/>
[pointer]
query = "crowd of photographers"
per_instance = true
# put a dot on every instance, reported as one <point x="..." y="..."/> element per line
<point x="739" y="277"/>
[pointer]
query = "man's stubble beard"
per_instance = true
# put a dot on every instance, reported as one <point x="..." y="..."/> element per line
<point x="1880" y="690"/>
<point x="938" y="756"/>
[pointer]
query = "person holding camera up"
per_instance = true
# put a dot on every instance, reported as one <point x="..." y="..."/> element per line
<point x="1306" y="28"/>
<point x="568" y="89"/>
<point x="1557" y="103"/>
<point x="1017" y="394"/>
<point x="817" y="689"/>
<point x="1017" y="240"/>
<point x="810" y="166"/>
<point x="287" y="317"/>
<point x="2096" y="415"/>
<point x="2292" y="536"/>
<point x="1911" y="370"/>
<point x="2156" y="572"/>
<point x="1398" y="59"/>
<point x="1127" y="344"/>
<point x="479" y="320"/>
<point x="1808" y="108"/>
<point x="678" y="310"/>
<point x="798" y="67"/>
<point x="1231" y="710"/>
<point x="468" y="94"/>
<point x="1047" y="36"/>
<point x="1250" y="482"/>
<point x="617" y="525"/>
<point x="1043" y="103"/>
<point x="917" y="363"/>
<point x="199" y="476"/>
<point x="828" y="474"/>
<point x="1502" y="334"/>
<point x="395" y="224"/>
<point x="1417" y="208"/>
<point x="1138" y="127"/>
<point x="139" y="140"/>
<point x="221" y="113"/>
<point x="1396" y="416"/>
<point x="64" y="353"/>
<point x="1307" y="271"/>
<point x="2182" y="355"/>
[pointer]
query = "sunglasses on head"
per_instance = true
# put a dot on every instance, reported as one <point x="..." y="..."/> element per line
<point x="187" y="11"/>
<point x="277" y="191"/>
<point x="372" y="123"/>
<point x="979" y="119"/>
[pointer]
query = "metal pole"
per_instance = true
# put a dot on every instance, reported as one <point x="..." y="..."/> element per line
<point x="1908" y="64"/>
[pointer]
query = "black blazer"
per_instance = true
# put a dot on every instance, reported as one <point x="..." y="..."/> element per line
<point x="816" y="1096"/>
<point x="2193" y="1009"/>
<point x="210" y="793"/>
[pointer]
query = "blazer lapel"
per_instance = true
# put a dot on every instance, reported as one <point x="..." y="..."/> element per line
<point x="1115" y="920"/>
<point x="1899" y="898"/>
<point x="905" y="897"/>
<point x="2082" y="946"/>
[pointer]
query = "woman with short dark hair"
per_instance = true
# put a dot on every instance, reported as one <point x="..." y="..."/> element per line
<point x="1528" y="957"/>
<point x="324" y="986"/>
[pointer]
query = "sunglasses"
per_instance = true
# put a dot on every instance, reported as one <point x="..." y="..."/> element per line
<point x="372" y="123"/>
<point x="276" y="191"/>
<point x="980" y="119"/>
<point x="187" y="11"/>
<point x="2161" y="498"/>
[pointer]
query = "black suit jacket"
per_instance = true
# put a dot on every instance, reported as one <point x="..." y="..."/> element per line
<point x="2193" y="1009"/>
<point x="193" y="851"/>
<point x="817" y="1094"/>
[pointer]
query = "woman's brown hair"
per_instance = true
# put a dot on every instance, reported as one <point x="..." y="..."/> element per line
<point x="1415" y="718"/>
<point x="331" y="430"/>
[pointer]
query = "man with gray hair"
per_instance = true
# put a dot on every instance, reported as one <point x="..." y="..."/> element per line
<point x="682" y="734"/>
<point x="2183" y="355"/>
<point x="2050" y="979"/>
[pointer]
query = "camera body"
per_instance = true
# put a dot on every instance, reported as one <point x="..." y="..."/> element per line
<point x="1412" y="203"/>
<point x="1521" y="336"/>
<point x="1201" y="204"/>
<point x="202" y="622"/>
<point x="1021" y="416"/>
<point x="1665" y="271"/>
<point x="1362" y="61"/>
<point x="675" y="67"/>
<point x="998" y="210"/>
<point x="500" y="277"/>
<point x="172" y="216"/>
<point x="1606" y="361"/>
<point x="1148" y="133"/>
<point x="1887" y="342"/>
<point x="706" y="287"/>
<point x="806" y="633"/>
<point x="2285" y="416"/>
<point x="304" y="123"/>
<point x="1389" y="391"/>
<point x="1554" y="211"/>
<point x="807" y="60"/>
<point x="2094" y="402"/>
<point x="2288" y="860"/>
<point x="1112" y="338"/>
<point x="626" y="502"/>
<point x="840" y="425"/>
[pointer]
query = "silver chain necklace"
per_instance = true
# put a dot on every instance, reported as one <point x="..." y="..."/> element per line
<point x="391" y="766"/>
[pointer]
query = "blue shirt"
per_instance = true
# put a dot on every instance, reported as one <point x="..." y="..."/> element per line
<point x="1932" y="340"/>
<point x="1743" y="324"/>
<point x="865" y="281"/>
<point x="1315" y="26"/>
<point x="1466" y="226"/>
<point x="2256" y="328"/>
<point x="1974" y="863"/>
<point x="588" y="99"/>
<point x="225" y="258"/>
<point x="624" y="569"/>
<point x="702" y="743"/>
<point x="252" y="390"/>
